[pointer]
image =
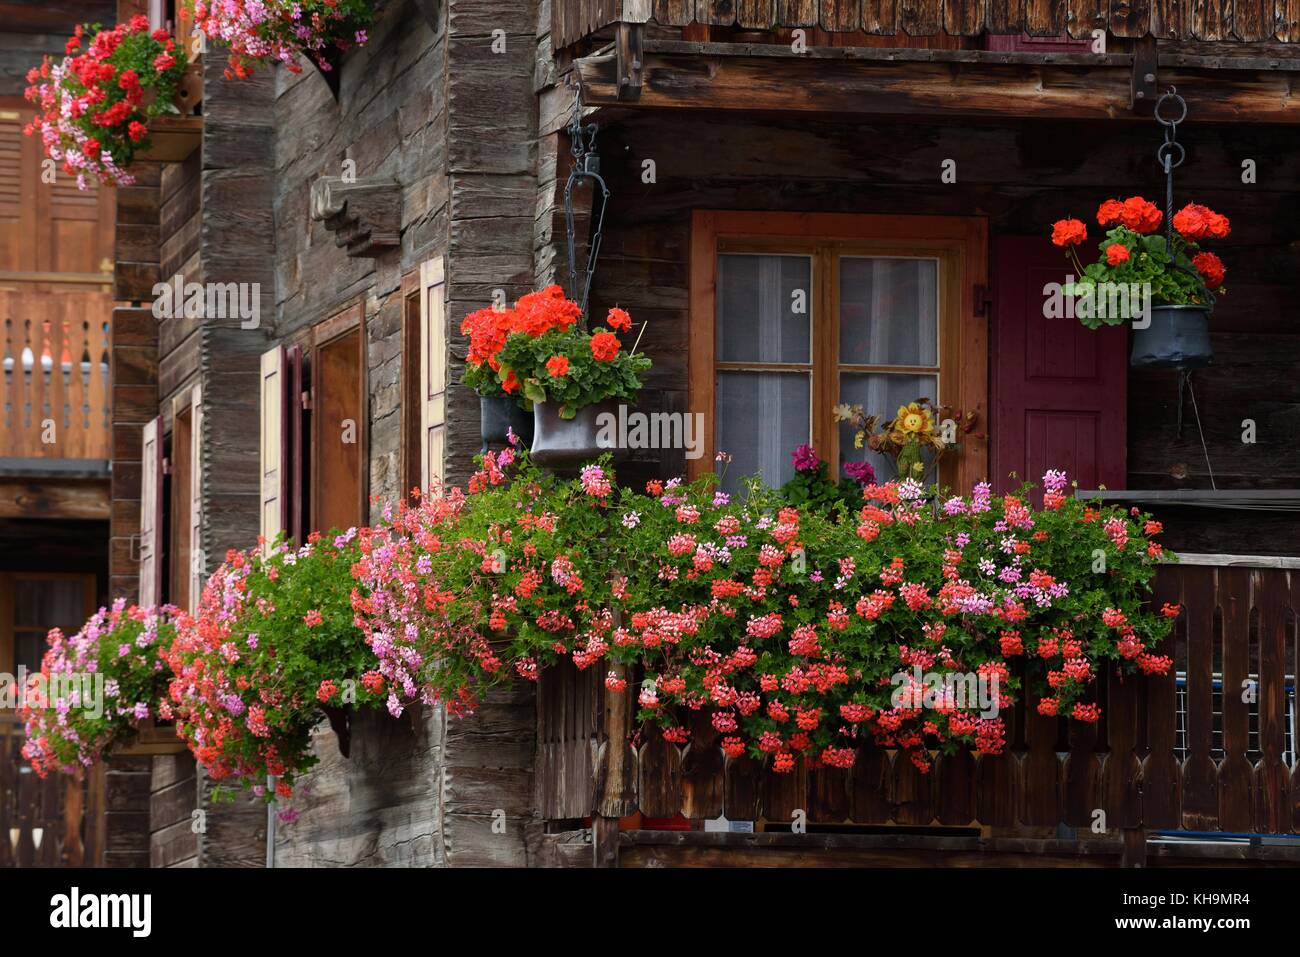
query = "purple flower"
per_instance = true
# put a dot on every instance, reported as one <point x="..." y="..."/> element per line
<point x="234" y="704"/>
<point x="1054" y="480"/>
<point x="860" y="472"/>
<point x="805" y="458"/>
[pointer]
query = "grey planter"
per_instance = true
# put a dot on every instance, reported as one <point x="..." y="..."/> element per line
<point x="564" y="443"/>
<point x="497" y="414"/>
<point x="1178" y="338"/>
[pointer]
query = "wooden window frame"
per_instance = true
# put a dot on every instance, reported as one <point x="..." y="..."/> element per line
<point x="410" y="468"/>
<point x="325" y="333"/>
<point x="180" y="488"/>
<point x="959" y="242"/>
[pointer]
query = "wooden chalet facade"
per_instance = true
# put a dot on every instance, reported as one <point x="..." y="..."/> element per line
<point x="352" y="224"/>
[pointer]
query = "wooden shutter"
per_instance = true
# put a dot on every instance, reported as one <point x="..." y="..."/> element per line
<point x="151" y="513"/>
<point x="274" y="470"/>
<point x="1059" y="389"/>
<point x="433" y="372"/>
<point x="198" y="561"/>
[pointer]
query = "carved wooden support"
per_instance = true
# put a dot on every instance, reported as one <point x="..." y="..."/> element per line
<point x="365" y="215"/>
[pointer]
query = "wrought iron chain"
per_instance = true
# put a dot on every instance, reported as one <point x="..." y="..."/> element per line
<point x="586" y="166"/>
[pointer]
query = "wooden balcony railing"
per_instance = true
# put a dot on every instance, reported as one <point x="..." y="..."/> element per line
<point x="1247" y="21"/>
<point x="54" y="395"/>
<point x="40" y="820"/>
<point x="1209" y="747"/>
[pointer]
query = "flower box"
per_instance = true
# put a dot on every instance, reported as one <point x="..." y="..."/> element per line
<point x="151" y="737"/>
<point x="173" y="138"/>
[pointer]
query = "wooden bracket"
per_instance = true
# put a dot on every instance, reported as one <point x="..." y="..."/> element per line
<point x="1143" y="92"/>
<point x="365" y="215"/>
<point x="630" y="46"/>
<point x="983" y="301"/>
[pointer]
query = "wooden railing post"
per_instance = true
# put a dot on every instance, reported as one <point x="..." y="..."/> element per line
<point x="615" y="778"/>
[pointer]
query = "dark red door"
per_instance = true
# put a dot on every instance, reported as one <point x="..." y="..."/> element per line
<point x="1059" y="389"/>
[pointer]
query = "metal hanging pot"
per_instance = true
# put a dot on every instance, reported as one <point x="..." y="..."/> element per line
<point x="497" y="415"/>
<point x="1178" y="337"/>
<point x="564" y="443"/>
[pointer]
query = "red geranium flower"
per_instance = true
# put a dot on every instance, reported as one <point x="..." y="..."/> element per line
<point x="619" y="319"/>
<point x="558" y="366"/>
<point x="1116" y="254"/>
<point x="1109" y="212"/>
<point x="1140" y="215"/>
<point x="604" y="346"/>
<point x="1068" y="232"/>
<point x="1211" y="269"/>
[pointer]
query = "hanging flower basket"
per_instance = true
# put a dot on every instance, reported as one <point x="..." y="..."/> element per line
<point x="97" y="103"/>
<point x="560" y="443"/>
<point x="1177" y="338"/>
<point x="499" y="415"/>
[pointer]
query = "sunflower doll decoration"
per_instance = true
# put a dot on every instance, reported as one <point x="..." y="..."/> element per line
<point x="917" y="427"/>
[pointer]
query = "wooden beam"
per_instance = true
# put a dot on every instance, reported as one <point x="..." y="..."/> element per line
<point x="961" y="83"/>
<point x="35" y="499"/>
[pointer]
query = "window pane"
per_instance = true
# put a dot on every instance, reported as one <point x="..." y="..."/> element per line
<point x="879" y="393"/>
<point x="889" y="311"/>
<point x="756" y="321"/>
<point x="47" y="603"/>
<point x="761" y="417"/>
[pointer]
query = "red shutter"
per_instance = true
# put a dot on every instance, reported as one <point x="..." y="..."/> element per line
<point x="151" y="513"/>
<point x="1059" y="389"/>
<point x="198" y="561"/>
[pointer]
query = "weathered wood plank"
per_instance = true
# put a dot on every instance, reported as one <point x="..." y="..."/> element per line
<point x="1235" y="777"/>
<point x="1200" y="784"/>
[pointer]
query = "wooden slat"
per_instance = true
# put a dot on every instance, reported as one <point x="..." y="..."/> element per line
<point x="828" y="795"/>
<point x="1045" y="18"/>
<point x="1081" y="776"/>
<point x="151" y="514"/>
<point x="1088" y="15"/>
<point x="797" y="13"/>
<point x="914" y="792"/>
<point x="1122" y="770"/>
<point x="716" y="12"/>
<point x="1286" y="15"/>
<point x="1131" y="18"/>
<point x="1161" y="773"/>
<point x="1235" y="774"/>
<point x="841" y="15"/>
<point x="920" y="18"/>
<point x="702" y="768"/>
<point x="783" y="794"/>
<point x="870" y="779"/>
<point x="1040" y="800"/>
<point x="963" y="17"/>
<point x="1252" y="20"/>
<point x="756" y="14"/>
<point x="1171" y="19"/>
<point x="955" y="779"/>
<point x="1004" y="16"/>
<point x="1269" y="594"/>
<point x="880" y="17"/>
<point x="659" y="792"/>
<point x="674" y="13"/>
<point x="1200" y="786"/>
<point x="1211" y="19"/>
<point x="740" y="794"/>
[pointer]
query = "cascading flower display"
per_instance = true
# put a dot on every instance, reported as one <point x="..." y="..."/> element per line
<point x="274" y="640"/>
<point x="800" y="633"/>
<point x="96" y="686"/>
<point x="95" y="104"/>
<point x="265" y="31"/>
<point x="894" y="614"/>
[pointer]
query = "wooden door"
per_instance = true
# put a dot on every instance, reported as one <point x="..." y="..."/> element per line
<point x="1059" y="389"/>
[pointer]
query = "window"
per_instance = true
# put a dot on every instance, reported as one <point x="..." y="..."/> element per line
<point x="339" y="410"/>
<point x="792" y="313"/>
<point x="31" y="603"/>
<point x="424" y="375"/>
